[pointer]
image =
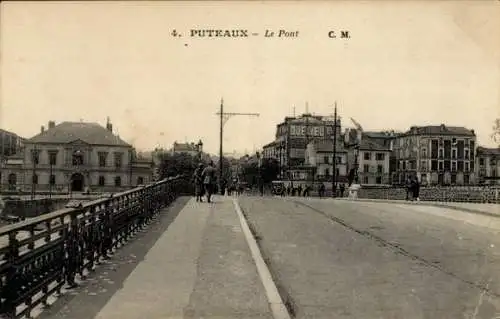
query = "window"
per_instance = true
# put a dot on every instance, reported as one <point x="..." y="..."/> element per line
<point x="466" y="166"/>
<point x="380" y="169"/>
<point x="454" y="153"/>
<point x="460" y="165"/>
<point x="441" y="153"/>
<point x="77" y="158"/>
<point x="102" y="159"/>
<point x="423" y="165"/>
<point x="453" y="166"/>
<point x="481" y="161"/>
<point x="326" y="159"/>
<point x="118" y="159"/>
<point x="102" y="181"/>
<point x="365" y="180"/>
<point x="453" y="179"/>
<point x="52" y="180"/>
<point x="424" y="152"/>
<point x="380" y="156"/>
<point x="379" y="180"/>
<point x="52" y="157"/>
<point x="441" y="165"/>
<point x="339" y="160"/>
<point x="34" y="179"/>
<point x="35" y="156"/>
<point x="118" y="181"/>
<point x="140" y="180"/>
<point x="367" y="156"/>
<point x="327" y="172"/>
<point x="454" y="140"/>
<point x="366" y="168"/>
<point x="466" y="154"/>
<point x="337" y="172"/>
<point x="12" y="179"/>
<point x="434" y="165"/>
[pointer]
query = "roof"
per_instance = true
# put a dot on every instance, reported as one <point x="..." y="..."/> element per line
<point x="370" y="144"/>
<point x="67" y="132"/>
<point x="488" y="151"/>
<point x="440" y="130"/>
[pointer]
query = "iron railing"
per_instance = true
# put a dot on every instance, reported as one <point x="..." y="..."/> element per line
<point x="38" y="257"/>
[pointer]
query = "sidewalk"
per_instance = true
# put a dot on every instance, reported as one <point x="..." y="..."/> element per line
<point x="200" y="267"/>
<point x="476" y="208"/>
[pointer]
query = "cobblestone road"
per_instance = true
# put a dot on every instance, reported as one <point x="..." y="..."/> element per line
<point x="340" y="259"/>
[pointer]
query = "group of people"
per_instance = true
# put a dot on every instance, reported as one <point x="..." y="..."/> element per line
<point x="413" y="189"/>
<point x="204" y="181"/>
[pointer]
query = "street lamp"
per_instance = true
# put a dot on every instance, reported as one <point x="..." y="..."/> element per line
<point x="259" y="177"/>
<point x="35" y="162"/>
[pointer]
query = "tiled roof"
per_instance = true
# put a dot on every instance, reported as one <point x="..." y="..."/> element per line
<point x="67" y="132"/>
<point x="440" y="130"/>
<point x="369" y="144"/>
<point x="488" y="151"/>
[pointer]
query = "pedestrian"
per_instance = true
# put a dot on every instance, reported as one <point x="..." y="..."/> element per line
<point x="209" y="180"/>
<point x="408" y="188"/>
<point x="321" y="190"/>
<point x="198" y="183"/>
<point x="342" y="190"/>
<point x="416" y="189"/>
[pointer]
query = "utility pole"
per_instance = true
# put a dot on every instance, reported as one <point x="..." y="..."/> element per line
<point x="334" y="173"/>
<point x="224" y="117"/>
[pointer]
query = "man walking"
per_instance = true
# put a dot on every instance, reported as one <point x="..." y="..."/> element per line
<point x="209" y="180"/>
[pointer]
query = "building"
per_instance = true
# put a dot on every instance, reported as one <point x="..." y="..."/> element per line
<point x="319" y="156"/>
<point x="74" y="156"/>
<point x="371" y="153"/>
<point x="292" y="137"/>
<point x="488" y="166"/>
<point x="188" y="148"/>
<point x="437" y="155"/>
<point x="10" y="143"/>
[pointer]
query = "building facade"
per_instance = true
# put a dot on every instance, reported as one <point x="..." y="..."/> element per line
<point x="436" y="155"/>
<point x="188" y="148"/>
<point x="291" y="140"/>
<point x="76" y="156"/>
<point x="488" y="166"/>
<point x="10" y="143"/>
<point x="319" y="156"/>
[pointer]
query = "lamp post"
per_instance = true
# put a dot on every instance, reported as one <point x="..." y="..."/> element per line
<point x="259" y="177"/>
<point x="35" y="160"/>
<point x="50" y="174"/>
<point x="334" y="162"/>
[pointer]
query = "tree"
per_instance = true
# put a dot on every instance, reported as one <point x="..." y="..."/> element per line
<point x="176" y="164"/>
<point x="269" y="170"/>
<point x="496" y="131"/>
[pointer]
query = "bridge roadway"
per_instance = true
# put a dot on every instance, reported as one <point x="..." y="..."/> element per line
<point x="328" y="259"/>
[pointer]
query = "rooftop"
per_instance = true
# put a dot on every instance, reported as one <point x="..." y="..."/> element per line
<point x="67" y="132"/>
<point x="440" y="130"/>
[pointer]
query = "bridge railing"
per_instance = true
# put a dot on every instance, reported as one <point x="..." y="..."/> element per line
<point x="41" y="255"/>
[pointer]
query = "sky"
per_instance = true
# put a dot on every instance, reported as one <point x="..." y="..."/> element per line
<point x="405" y="63"/>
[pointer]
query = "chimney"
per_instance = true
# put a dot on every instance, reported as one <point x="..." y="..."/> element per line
<point x="109" y="126"/>
<point x="42" y="129"/>
<point x="52" y="124"/>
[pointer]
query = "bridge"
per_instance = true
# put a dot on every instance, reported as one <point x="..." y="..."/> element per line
<point x="153" y="253"/>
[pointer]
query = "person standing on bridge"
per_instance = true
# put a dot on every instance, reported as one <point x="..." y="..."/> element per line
<point x="209" y="180"/>
<point x="198" y="183"/>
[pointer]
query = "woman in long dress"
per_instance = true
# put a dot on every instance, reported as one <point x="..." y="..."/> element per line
<point x="198" y="183"/>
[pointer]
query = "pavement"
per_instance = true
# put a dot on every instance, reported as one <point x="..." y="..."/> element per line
<point x="477" y="208"/>
<point x="356" y="259"/>
<point x="193" y="262"/>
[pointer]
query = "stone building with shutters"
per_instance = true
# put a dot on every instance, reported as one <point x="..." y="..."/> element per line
<point x="74" y="157"/>
<point x="437" y="155"/>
